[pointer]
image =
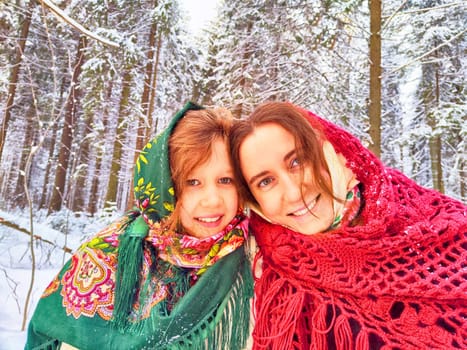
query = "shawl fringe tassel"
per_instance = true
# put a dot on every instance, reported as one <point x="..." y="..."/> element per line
<point x="227" y="327"/>
<point x="52" y="344"/>
<point x="130" y="259"/>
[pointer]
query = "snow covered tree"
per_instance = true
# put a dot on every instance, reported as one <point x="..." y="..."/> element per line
<point x="71" y="111"/>
<point x="313" y="53"/>
<point x="425" y="83"/>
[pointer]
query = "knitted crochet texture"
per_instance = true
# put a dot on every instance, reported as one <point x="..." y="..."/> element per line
<point x="397" y="280"/>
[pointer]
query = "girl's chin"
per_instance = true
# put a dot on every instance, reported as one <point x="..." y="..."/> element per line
<point x="205" y="232"/>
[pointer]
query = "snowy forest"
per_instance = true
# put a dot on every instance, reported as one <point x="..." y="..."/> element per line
<point x="85" y="84"/>
<point x="79" y="98"/>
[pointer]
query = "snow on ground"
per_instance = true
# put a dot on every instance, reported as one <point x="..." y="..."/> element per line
<point x="15" y="264"/>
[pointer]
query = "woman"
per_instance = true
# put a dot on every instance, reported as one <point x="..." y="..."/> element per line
<point x="354" y="254"/>
<point x="171" y="274"/>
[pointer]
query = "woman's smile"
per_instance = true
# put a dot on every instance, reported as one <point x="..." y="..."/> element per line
<point x="306" y="209"/>
<point x="281" y="183"/>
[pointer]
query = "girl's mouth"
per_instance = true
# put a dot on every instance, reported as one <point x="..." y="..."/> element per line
<point x="210" y="221"/>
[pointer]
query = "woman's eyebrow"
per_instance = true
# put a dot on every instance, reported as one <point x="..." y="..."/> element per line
<point x="289" y="155"/>
<point x="253" y="178"/>
<point x="263" y="173"/>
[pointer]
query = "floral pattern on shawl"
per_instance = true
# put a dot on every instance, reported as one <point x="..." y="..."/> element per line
<point x="88" y="284"/>
<point x="52" y="287"/>
<point x="190" y="252"/>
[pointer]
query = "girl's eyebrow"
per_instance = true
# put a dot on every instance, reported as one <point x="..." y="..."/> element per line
<point x="263" y="173"/>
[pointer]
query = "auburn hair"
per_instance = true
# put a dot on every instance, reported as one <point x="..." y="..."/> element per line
<point x="190" y="145"/>
<point x="308" y="142"/>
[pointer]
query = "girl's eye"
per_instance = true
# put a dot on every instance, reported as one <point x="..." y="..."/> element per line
<point x="265" y="182"/>
<point x="226" y="180"/>
<point x="192" y="182"/>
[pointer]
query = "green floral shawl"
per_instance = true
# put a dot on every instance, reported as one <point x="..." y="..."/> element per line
<point x="104" y="296"/>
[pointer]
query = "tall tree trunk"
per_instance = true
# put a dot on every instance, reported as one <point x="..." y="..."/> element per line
<point x="149" y="71"/>
<point x="79" y="188"/>
<point x="48" y="169"/>
<point x="94" y="197"/>
<point x="238" y="109"/>
<point x="111" y="197"/>
<point x="143" y="123"/>
<point x="462" y="166"/>
<point x="14" y="75"/>
<point x="53" y="142"/>
<point x="152" y="100"/>
<point x="67" y="133"/>
<point x="374" y="107"/>
<point x="21" y="200"/>
<point x="435" y="156"/>
<point x="435" y="141"/>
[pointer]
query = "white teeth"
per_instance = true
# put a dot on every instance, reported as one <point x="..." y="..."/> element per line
<point x="301" y="212"/>
<point x="305" y="210"/>
<point x="209" y="219"/>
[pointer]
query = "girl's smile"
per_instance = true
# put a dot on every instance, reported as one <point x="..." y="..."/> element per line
<point x="210" y="199"/>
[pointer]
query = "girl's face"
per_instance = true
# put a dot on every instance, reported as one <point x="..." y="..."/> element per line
<point x="210" y="199"/>
<point x="280" y="184"/>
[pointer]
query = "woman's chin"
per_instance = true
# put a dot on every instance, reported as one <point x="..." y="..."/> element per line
<point x="308" y="227"/>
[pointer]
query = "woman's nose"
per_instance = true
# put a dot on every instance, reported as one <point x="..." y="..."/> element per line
<point x="292" y="188"/>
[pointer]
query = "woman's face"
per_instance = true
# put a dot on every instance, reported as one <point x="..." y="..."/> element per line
<point x="210" y="199"/>
<point x="273" y="172"/>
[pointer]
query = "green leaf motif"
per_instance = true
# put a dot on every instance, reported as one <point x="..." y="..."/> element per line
<point x="153" y="199"/>
<point x="214" y="250"/>
<point x="190" y="251"/>
<point x="99" y="243"/>
<point x="140" y="185"/>
<point x="142" y="158"/>
<point x="169" y="206"/>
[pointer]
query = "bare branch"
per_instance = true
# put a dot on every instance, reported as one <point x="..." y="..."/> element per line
<point x="428" y="53"/>
<point x="386" y="23"/>
<point x="13" y="286"/>
<point x="424" y="9"/>
<point x="22" y="229"/>
<point x="63" y="16"/>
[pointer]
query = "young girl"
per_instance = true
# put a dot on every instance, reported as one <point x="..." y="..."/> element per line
<point x="355" y="255"/>
<point x="171" y="274"/>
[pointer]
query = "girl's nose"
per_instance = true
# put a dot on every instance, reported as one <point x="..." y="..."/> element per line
<point x="210" y="197"/>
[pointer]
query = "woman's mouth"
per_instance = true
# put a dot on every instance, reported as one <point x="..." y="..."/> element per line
<point x="306" y="209"/>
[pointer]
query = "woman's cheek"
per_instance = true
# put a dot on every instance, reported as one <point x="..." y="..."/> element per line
<point x="268" y="202"/>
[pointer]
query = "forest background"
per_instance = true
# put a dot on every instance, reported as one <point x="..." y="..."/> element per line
<point x="85" y="84"/>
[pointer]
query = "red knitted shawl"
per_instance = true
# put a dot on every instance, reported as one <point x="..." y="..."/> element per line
<point x="398" y="280"/>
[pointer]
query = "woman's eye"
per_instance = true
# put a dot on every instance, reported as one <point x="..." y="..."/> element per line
<point x="226" y="180"/>
<point x="192" y="182"/>
<point x="294" y="163"/>
<point x="265" y="182"/>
